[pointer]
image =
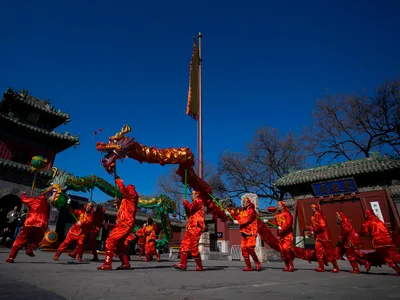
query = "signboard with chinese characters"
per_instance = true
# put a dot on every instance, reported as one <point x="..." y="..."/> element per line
<point x="377" y="210"/>
<point x="337" y="187"/>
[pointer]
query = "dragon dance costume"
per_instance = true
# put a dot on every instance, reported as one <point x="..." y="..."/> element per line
<point x="117" y="240"/>
<point x="78" y="232"/>
<point x="284" y="220"/>
<point x="350" y="241"/>
<point x="194" y="230"/>
<point x="381" y="240"/>
<point x="248" y="221"/>
<point x="98" y="219"/>
<point x="323" y="244"/>
<point x="141" y="236"/>
<point x="150" y="233"/>
<point x="35" y="225"/>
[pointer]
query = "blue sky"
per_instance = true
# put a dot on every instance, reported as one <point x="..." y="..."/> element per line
<point x="265" y="63"/>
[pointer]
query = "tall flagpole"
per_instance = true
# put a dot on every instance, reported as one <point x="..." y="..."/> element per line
<point x="200" y="122"/>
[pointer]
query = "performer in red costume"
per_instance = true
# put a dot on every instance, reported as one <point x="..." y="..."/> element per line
<point x="34" y="227"/>
<point x="247" y="219"/>
<point x="150" y="232"/>
<point x="381" y="240"/>
<point x="194" y="229"/>
<point x="284" y="220"/>
<point x="98" y="219"/>
<point x="350" y="241"/>
<point x="78" y="232"/>
<point x="141" y="240"/>
<point x="116" y="241"/>
<point x="322" y="238"/>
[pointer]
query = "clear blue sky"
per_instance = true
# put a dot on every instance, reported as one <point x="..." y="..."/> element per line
<point x="265" y="63"/>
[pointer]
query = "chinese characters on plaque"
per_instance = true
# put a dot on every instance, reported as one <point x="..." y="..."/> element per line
<point x="337" y="187"/>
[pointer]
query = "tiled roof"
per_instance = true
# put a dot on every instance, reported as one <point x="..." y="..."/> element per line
<point x="65" y="136"/>
<point x="346" y="169"/>
<point x="36" y="103"/>
<point x="395" y="190"/>
<point x="21" y="167"/>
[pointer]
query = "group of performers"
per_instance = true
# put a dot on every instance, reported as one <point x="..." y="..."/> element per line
<point x="90" y="219"/>
<point x="349" y="241"/>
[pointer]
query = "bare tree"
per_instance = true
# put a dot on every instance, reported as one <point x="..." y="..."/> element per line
<point x="353" y="126"/>
<point x="269" y="156"/>
<point x="172" y="186"/>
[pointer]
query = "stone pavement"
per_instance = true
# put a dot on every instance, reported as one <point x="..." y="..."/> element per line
<point x="42" y="278"/>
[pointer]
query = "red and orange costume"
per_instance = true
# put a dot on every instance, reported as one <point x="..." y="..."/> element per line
<point x="35" y="225"/>
<point x="381" y="240"/>
<point x="117" y="240"/>
<point x="150" y="233"/>
<point x="78" y="232"/>
<point x="140" y="233"/>
<point x="350" y="241"/>
<point x="284" y="221"/>
<point x="323" y="244"/>
<point x="247" y="219"/>
<point x="194" y="229"/>
<point x="98" y="219"/>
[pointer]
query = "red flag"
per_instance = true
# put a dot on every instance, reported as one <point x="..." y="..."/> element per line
<point x="192" y="108"/>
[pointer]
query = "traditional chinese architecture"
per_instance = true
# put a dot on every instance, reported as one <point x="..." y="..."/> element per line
<point x="27" y="129"/>
<point x="351" y="187"/>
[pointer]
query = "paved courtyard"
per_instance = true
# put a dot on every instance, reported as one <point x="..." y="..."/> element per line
<point x="42" y="278"/>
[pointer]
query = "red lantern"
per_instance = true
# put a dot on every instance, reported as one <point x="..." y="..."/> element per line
<point x="100" y="129"/>
<point x="174" y="215"/>
<point x="272" y="209"/>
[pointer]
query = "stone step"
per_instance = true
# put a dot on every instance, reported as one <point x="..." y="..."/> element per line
<point x="215" y="256"/>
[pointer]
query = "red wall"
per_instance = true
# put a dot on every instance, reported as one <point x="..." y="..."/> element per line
<point x="235" y="237"/>
<point x="177" y="237"/>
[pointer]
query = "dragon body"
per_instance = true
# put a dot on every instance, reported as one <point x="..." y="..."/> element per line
<point x="121" y="146"/>
<point x="62" y="182"/>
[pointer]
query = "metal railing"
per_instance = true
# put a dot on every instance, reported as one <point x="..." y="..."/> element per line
<point x="236" y="252"/>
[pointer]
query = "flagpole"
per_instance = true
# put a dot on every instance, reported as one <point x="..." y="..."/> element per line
<point x="200" y="122"/>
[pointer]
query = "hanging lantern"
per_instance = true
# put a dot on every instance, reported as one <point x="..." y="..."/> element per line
<point x="38" y="163"/>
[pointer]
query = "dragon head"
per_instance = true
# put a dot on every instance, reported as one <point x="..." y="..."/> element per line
<point x="115" y="148"/>
<point x="57" y="189"/>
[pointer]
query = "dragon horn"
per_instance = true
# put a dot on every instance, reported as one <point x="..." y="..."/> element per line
<point x="55" y="172"/>
<point x="124" y="130"/>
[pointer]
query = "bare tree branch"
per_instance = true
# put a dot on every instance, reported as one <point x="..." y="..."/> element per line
<point x="269" y="157"/>
<point x="352" y="126"/>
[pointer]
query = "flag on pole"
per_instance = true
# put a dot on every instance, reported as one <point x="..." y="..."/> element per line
<point x="192" y="109"/>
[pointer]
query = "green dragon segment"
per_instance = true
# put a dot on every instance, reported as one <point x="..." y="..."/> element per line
<point x="62" y="182"/>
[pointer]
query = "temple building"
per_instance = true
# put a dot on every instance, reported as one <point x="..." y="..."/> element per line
<point x="352" y="188"/>
<point x="27" y="127"/>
